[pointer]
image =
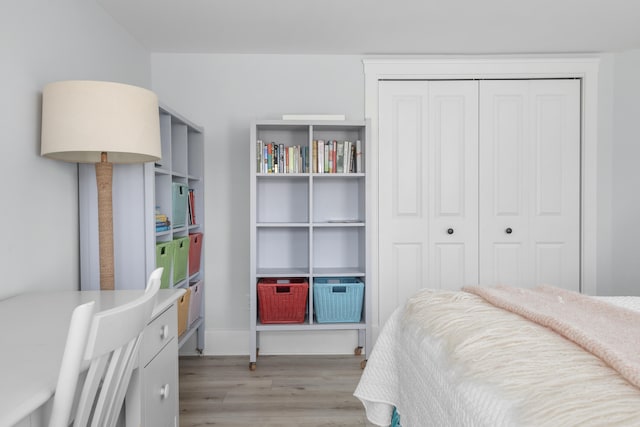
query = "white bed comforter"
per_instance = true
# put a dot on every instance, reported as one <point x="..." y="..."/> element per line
<point x="452" y="359"/>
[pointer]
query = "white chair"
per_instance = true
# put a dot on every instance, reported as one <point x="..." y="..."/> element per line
<point x="107" y="342"/>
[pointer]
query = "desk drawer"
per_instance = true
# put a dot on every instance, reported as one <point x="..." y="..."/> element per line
<point x="158" y="333"/>
<point x="160" y="388"/>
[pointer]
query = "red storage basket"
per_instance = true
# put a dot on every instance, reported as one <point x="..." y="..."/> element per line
<point x="282" y="300"/>
<point x="195" y="247"/>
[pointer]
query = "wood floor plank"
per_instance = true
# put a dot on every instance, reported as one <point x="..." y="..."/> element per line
<point x="284" y="391"/>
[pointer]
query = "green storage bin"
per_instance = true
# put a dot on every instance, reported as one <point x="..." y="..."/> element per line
<point x="180" y="194"/>
<point x="164" y="258"/>
<point x="180" y="258"/>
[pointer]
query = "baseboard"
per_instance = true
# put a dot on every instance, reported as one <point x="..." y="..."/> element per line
<point x="235" y="342"/>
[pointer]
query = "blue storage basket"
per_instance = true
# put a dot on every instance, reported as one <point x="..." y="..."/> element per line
<point x="338" y="299"/>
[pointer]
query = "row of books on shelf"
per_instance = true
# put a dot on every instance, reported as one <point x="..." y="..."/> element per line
<point x="276" y="158"/>
<point x="329" y="156"/>
<point x="191" y="207"/>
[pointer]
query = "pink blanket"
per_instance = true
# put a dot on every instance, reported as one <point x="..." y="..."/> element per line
<point x="609" y="332"/>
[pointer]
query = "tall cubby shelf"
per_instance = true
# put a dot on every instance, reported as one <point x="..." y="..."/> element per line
<point x="308" y="225"/>
<point x="139" y="191"/>
<point x="182" y="163"/>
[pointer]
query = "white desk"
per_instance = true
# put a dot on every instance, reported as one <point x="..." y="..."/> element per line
<point x="33" y="336"/>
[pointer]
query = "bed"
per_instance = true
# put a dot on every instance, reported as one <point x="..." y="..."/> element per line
<point x="476" y="358"/>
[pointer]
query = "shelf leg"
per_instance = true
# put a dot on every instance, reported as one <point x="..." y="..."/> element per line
<point x="200" y="338"/>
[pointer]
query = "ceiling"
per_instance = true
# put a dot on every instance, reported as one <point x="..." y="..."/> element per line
<point x="368" y="27"/>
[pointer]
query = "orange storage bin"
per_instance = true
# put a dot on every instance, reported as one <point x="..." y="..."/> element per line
<point x="183" y="311"/>
<point x="282" y="300"/>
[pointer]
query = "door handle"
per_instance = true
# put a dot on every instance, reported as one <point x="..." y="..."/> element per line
<point x="508" y="230"/>
<point x="450" y="231"/>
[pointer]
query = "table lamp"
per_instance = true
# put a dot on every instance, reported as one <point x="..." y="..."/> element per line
<point x="102" y="123"/>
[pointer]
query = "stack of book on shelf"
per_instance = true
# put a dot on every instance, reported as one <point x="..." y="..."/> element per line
<point x="333" y="156"/>
<point x="276" y="158"/>
<point x="192" y="207"/>
<point x="162" y="222"/>
<point x="329" y="156"/>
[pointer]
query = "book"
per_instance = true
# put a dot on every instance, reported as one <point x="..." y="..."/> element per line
<point x="283" y="162"/>
<point x="276" y="157"/>
<point x="314" y="156"/>
<point x="303" y="157"/>
<point x="259" y="152"/>
<point x="347" y="156"/>
<point x="191" y="201"/>
<point x="352" y="158"/>
<point x="305" y="164"/>
<point x="265" y="161"/>
<point x="359" y="168"/>
<point x="320" y="163"/>
<point x="340" y="157"/>
<point x="291" y="160"/>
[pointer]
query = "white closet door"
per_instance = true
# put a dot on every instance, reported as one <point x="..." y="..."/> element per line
<point x="452" y="179"/>
<point x="428" y="185"/>
<point x="530" y="183"/>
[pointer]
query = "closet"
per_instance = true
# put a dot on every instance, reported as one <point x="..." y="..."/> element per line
<point x="479" y="183"/>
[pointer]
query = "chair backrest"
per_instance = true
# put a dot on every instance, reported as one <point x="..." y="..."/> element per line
<point x="108" y="341"/>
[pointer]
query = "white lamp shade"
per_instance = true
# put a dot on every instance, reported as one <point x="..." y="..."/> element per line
<point x="82" y="119"/>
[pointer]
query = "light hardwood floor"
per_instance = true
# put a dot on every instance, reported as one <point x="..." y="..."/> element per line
<point x="284" y="391"/>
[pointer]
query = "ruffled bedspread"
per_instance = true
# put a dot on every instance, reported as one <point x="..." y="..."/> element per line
<point x="453" y="359"/>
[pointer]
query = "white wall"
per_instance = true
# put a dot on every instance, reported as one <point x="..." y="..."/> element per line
<point x="224" y="93"/>
<point x="43" y="41"/>
<point x="604" y="174"/>
<point x="626" y="175"/>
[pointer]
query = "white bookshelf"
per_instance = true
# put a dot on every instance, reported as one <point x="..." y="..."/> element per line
<point x="182" y="162"/>
<point x="307" y="224"/>
<point x="137" y="191"/>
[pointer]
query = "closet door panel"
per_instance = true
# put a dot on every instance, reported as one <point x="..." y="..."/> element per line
<point x="453" y="168"/>
<point x="555" y="197"/>
<point x="530" y="136"/>
<point x="503" y="156"/>
<point x="403" y="193"/>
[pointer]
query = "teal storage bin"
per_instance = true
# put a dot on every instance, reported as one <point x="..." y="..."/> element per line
<point x="180" y="195"/>
<point x="338" y="299"/>
<point x="395" y="419"/>
<point x="164" y="258"/>
<point x="180" y="258"/>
